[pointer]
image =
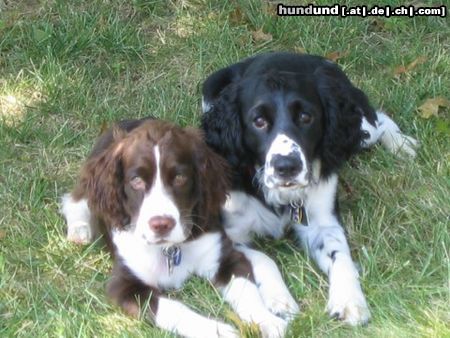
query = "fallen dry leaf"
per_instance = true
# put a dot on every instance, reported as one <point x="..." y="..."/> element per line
<point x="334" y="56"/>
<point x="300" y="50"/>
<point x="404" y="69"/>
<point x="431" y="107"/>
<point x="399" y="70"/>
<point x="237" y="17"/>
<point x="260" y="36"/>
<point x="2" y="234"/>
<point x="270" y="9"/>
<point x="377" y="25"/>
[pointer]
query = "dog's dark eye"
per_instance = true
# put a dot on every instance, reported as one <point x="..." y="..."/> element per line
<point x="305" y="118"/>
<point x="137" y="183"/>
<point x="179" y="180"/>
<point x="260" y="122"/>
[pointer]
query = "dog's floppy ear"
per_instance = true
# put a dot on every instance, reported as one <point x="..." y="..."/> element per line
<point x="213" y="176"/>
<point x="221" y="118"/>
<point x="101" y="179"/>
<point x="343" y="106"/>
<point x="218" y="82"/>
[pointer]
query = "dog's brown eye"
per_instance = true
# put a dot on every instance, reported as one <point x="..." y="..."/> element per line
<point x="260" y="123"/>
<point x="137" y="183"/>
<point x="179" y="180"/>
<point x="305" y="118"/>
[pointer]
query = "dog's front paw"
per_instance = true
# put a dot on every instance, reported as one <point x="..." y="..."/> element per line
<point x="346" y="300"/>
<point x="393" y="138"/>
<point x="351" y="311"/>
<point x="399" y="143"/>
<point x="280" y="302"/>
<point x="347" y="303"/>
<point x="80" y="233"/>
<point x="273" y="327"/>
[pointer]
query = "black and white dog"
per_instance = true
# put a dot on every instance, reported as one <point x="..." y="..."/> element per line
<point x="286" y="123"/>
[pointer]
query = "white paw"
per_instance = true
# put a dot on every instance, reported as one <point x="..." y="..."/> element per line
<point x="399" y="143"/>
<point x="274" y="327"/>
<point x="346" y="300"/>
<point x="226" y="331"/>
<point x="351" y="311"/>
<point x="279" y="302"/>
<point x="80" y="233"/>
<point x="392" y="137"/>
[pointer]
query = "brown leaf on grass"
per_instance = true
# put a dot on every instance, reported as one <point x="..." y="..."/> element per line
<point x="431" y="107"/>
<point x="238" y="17"/>
<point x="270" y="9"/>
<point x="260" y="36"/>
<point x="334" y="56"/>
<point x="377" y="25"/>
<point x="2" y="234"/>
<point x="400" y="70"/>
<point x="300" y="50"/>
<point x="404" y="69"/>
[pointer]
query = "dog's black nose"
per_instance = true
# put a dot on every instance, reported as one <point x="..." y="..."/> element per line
<point x="287" y="166"/>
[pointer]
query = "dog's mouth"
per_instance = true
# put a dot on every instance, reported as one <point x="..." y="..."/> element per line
<point x="161" y="241"/>
<point x="291" y="185"/>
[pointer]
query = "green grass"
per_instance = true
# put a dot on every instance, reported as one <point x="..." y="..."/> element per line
<point x="68" y="68"/>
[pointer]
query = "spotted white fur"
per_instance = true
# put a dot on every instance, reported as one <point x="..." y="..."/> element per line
<point x="389" y="134"/>
<point x="324" y="239"/>
<point x="284" y="145"/>
<point x="251" y="216"/>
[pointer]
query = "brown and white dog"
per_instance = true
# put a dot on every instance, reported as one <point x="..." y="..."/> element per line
<point x="155" y="191"/>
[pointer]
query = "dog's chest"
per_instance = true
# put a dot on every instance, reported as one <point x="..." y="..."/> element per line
<point x="150" y="264"/>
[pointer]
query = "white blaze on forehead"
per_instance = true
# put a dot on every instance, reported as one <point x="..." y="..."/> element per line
<point x="158" y="202"/>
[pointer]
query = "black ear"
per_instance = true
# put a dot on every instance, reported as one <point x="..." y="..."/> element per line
<point x="343" y="107"/>
<point x="221" y="120"/>
<point x="219" y="81"/>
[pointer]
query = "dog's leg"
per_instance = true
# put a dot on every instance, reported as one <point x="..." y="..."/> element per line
<point x="272" y="288"/>
<point x="244" y="216"/>
<point x="389" y="134"/>
<point x="176" y="317"/>
<point x="134" y="297"/>
<point x="78" y="218"/>
<point x="236" y="282"/>
<point x="325" y="241"/>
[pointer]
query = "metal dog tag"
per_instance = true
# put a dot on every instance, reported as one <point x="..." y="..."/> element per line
<point x="173" y="257"/>
<point x="296" y="212"/>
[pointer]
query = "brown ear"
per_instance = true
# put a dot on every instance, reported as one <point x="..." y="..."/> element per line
<point x="214" y="177"/>
<point x="101" y="182"/>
